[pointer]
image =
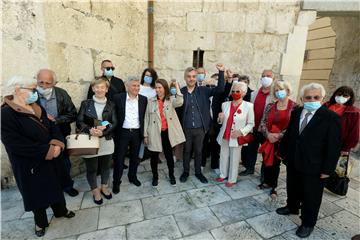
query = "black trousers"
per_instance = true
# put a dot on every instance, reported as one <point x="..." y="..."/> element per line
<point x="304" y="192"/>
<point x="154" y="156"/>
<point x="63" y="171"/>
<point x="40" y="216"/>
<point x="244" y="154"/>
<point x="194" y="139"/>
<point x="253" y="147"/>
<point x="211" y="147"/>
<point x="271" y="173"/>
<point x="126" y="138"/>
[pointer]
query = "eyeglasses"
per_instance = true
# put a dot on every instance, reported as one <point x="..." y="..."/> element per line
<point x="238" y="91"/>
<point x="108" y="68"/>
<point x="31" y="89"/>
<point x="312" y="98"/>
<point x="45" y="83"/>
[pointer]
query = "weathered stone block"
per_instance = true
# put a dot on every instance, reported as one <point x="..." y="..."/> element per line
<point x="306" y="18"/>
<point x="201" y="21"/>
<point x="231" y="22"/>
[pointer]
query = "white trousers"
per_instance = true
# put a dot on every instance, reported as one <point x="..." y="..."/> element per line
<point x="229" y="161"/>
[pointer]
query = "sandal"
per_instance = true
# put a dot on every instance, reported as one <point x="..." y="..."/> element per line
<point x="273" y="193"/>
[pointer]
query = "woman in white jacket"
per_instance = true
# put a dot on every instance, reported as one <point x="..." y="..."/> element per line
<point x="237" y="119"/>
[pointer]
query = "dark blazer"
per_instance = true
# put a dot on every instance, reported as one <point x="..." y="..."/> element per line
<point x="120" y="103"/>
<point x="87" y="117"/>
<point x="202" y="94"/>
<point x="317" y="149"/>
<point x="116" y="86"/>
<point x="28" y="142"/>
<point x="66" y="111"/>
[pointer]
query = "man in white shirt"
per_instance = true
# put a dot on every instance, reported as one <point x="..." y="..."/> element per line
<point x="130" y="108"/>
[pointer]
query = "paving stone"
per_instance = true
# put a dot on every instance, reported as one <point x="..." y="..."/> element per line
<point x="315" y="235"/>
<point x="11" y="210"/>
<point x="199" y="236"/>
<point x="211" y="176"/>
<point x="350" y="205"/>
<point x="277" y="238"/>
<point x="328" y="208"/>
<point x="354" y="184"/>
<point x="166" y="205"/>
<point x="243" y="188"/>
<point x="158" y="228"/>
<point x="272" y="204"/>
<point x="237" y="210"/>
<point x="11" y="194"/>
<point x="74" y="203"/>
<point x="18" y="229"/>
<point x="341" y="225"/>
<point x="239" y="230"/>
<point x="85" y="221"/>
<point x="207" y="196"/>
<point x="331" y="196"/>
<point x="271" y="224"/>
<point x="120" y="214"/>
<point x="118" y="233"/>
<point x="196" y="221"/>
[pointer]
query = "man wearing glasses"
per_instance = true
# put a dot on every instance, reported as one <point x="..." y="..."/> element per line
<point x="310" y="150"/>
<point x="116" y="84"/>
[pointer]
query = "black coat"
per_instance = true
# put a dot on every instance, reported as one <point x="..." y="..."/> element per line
<point x="116" y="86"/>
<point x="87" y="117"/>
<point x="317" y="149"/>
<point x="120" y="103"/>
<point x="66" y="111"/>
<point x="27" y="141"/>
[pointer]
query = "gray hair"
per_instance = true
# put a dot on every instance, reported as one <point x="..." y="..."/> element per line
<point x="47" y="70"/>
<point x="131" y="79"/>
<point x="189" y="69"/>
<point x="16" y="81"/>
<point x="243" y="86"/>
<point x="312" y="86"/>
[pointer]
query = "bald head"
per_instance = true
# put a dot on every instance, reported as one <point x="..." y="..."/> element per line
<point x="46" y="78"/>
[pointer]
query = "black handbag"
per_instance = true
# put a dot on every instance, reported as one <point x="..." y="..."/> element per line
<point x="339" y="184"/>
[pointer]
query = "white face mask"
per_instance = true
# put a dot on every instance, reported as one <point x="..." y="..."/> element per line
<point x="46" y="93"/>
<point x="266" y="81"/>
<point x="341" y="99"/>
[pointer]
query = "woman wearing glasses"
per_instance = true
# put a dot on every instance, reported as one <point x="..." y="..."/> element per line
<point x="237" y="119"/>
<point x="33" y="143"/>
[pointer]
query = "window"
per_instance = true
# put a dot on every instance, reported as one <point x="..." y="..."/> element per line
<point x="198" y="58"/>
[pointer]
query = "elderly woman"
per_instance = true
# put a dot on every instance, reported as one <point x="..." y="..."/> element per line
<point x="342" y="103"/>
<point x="97" y="117"/>
<point x="273" y="126"/>
<point x="237" y="119"/>
<point x="162" y="129"/>
<point x="33" y="143"/>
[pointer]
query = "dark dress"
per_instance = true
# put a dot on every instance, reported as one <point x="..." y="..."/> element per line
<point x="27" y="139"/>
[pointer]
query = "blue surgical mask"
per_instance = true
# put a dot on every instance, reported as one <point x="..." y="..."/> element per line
<point x="33" y="97"/>
<point x="201" y="77"/>
<point x="173" y="91"/>
<point x="108" y="73"/>
<point x="147" y="79"/>
<point x="312" y="106"/>
<point x="281" y="94"/>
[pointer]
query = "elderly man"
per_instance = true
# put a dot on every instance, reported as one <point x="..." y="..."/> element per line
<point x="61" y="110"/>
<point x="130" y="131"/>
<point x="260" y="99"/>
<point x="116" y="84"/>
<point x="195" y="118"/>
<point x="310" y="150"/>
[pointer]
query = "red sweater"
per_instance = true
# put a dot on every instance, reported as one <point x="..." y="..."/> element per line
<point x="350" y="122"/>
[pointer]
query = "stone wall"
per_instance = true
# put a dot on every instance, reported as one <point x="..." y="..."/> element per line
<point x="72" y="37"/>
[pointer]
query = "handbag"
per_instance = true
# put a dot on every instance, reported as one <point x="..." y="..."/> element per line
<point x="82" y="144"/>
<point x="339" y="184"/>
<point x="245" y="139"/>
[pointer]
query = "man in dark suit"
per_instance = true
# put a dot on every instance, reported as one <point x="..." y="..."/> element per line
<point x="116" y="84"/>
<point x="310" y="150"/>
<point x="130" y="108"/>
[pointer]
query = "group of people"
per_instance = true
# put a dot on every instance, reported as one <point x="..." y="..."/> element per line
<point x="218" y="117"/>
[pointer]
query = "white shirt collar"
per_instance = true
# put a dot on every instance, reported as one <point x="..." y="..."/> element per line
<point x="128" y="97"/>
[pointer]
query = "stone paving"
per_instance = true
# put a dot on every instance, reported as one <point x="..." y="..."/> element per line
<point x="190" y="210"/>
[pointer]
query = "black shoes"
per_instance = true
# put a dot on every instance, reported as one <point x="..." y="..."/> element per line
<point x="116" y="188"/>
<point x="40" y="233"/>
<point x="72" y="192"/>
<point x="286" y="211"/>
<point x="172" y="181"/>
<point x="184" y="177"/>
<point x="98" y="202"/>
<point x="136" y="182"/>
<point x="303" y="231"/>
<point x="155" y="182"/>
<point x="246" y="172"/>
<point x="69" y="214"/>
<point x="125" y="166"/>
<point x="106" y="196"/>
<point x="201" y="178"/>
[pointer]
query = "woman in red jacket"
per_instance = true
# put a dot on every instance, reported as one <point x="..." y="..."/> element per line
<point x="342" y="102"/>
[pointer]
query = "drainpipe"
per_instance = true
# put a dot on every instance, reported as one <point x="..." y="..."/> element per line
<point x="151" y="33"/>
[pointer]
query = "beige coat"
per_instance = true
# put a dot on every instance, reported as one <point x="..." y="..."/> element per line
<point x="152" y="128"/>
